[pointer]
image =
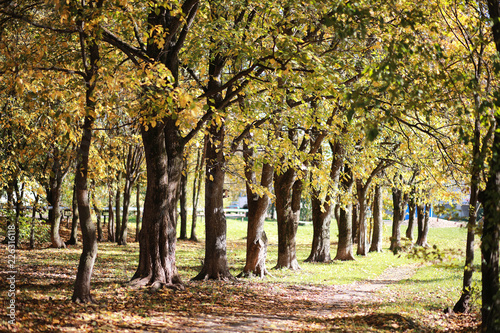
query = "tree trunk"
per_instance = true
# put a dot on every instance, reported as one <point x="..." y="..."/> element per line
<point x="363" y="227"/>
<point x="215" y="265"/>
<point x="118" y="225"/>
<point x="74" y="219"/>
<point x="156" y="261"/>
<point x="81" y="292"/>
<point x="183" y="199"/>
<point x="321" y="217"/>
<point x="111" y="217"/>
<point x="423" y="224"/>
<point x="19" y="210"/>
<point x="257" y="209"/>
<point x="344" y="248"/>
<point x="33" y="221"/>
<point x="288" y="192"/>
<point x="376" y="245"/>
<point x="399" y="204"/>
<point x="198" y="177"/>
<point x="491" y="204"/>
<point x="464" y="303"/>
<point x="355" y="222"/>
<point x="54" y="200"/>
<point x="412" y="207"/>
<point x="122" y="238"/>
<point x="98" y="218"/>
<point x="138" y="212"/>
<point x="490" y="310"/>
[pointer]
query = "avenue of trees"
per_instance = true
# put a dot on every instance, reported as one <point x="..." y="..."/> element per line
<point x="337" y="103"/>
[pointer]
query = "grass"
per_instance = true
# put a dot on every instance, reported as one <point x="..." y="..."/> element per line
<point x="413" y="305"/>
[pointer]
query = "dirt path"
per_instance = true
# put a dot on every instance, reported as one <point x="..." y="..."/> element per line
<point x="320" y="302"/>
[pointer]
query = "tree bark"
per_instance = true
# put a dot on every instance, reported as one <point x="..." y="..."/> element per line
<point x="376" y="245"/>
<point x="288" y="192"/>
<point x="111" y="217"/>
<point x="90" y="51"/>
<point x="97" y="211"/>
<point x="156" y="260"/>
<point x="320" y="249"/>
<point x="344" y="248"/>
<point x="423" y="212"/>
<point x="81" y="292"/>
<point x="75" y="219"/>
<point x="118" y="225"/>
<point x="33" y="221"/>
<point x="399" y="203"/>
<point x="321" y="217"/>
<point x="183" y="199"/>
<point x="122" y="238"/>
<point x="198" y="177"/>
<point x="363" y="207"/>
<point x="411" y="219"/>
<point x="464" y="303"/>
<point x="138" y="212"/>
<point x="54" y="199"/>
<point x="490" y="199"/>
<point x="135" y="157"/>
<point x="215" y="264"/>
<point x="257" y="209"/>
<point x="355" y="222"/>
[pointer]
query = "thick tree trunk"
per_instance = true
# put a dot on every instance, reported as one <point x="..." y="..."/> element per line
<point x="215" y="265"/>
<point x="376" y="245"/>
<point x="257" y="209"/>
<point x="399" y="204"/>
<point x="491" y="203"/>
<point x="423" y="224"/>
<point x="75" y="219"/>
<point x="288" y="192"/>
<point x="156" y="262"/>
<point x="490" y="246"/>
<point x="320" y="250"/>
<point x="183" y="199"/>
<point x="344" y="248"/>
<point x="412" y="207"/>
<point x="81" y="292"/>
<point x="321" y="217"/>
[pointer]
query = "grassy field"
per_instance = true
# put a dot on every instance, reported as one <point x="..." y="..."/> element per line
<point x="45" y="278"/>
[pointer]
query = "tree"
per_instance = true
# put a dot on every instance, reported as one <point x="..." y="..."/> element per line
<point x="258" y="202"/>
<point x="490" y="199"/>
<point x="322" y="209"/>
<point x="132" y="166"/>
<point x="423" y="211"/>
<point x="162" y="137"/>
<point x="344" y="248"/>
<point x="376" y="244"/>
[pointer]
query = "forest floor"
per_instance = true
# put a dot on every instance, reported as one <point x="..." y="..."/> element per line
<point x="45" y="278"/>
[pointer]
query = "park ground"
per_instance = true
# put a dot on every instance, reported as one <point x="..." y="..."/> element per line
<point x="382" y="292"/>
